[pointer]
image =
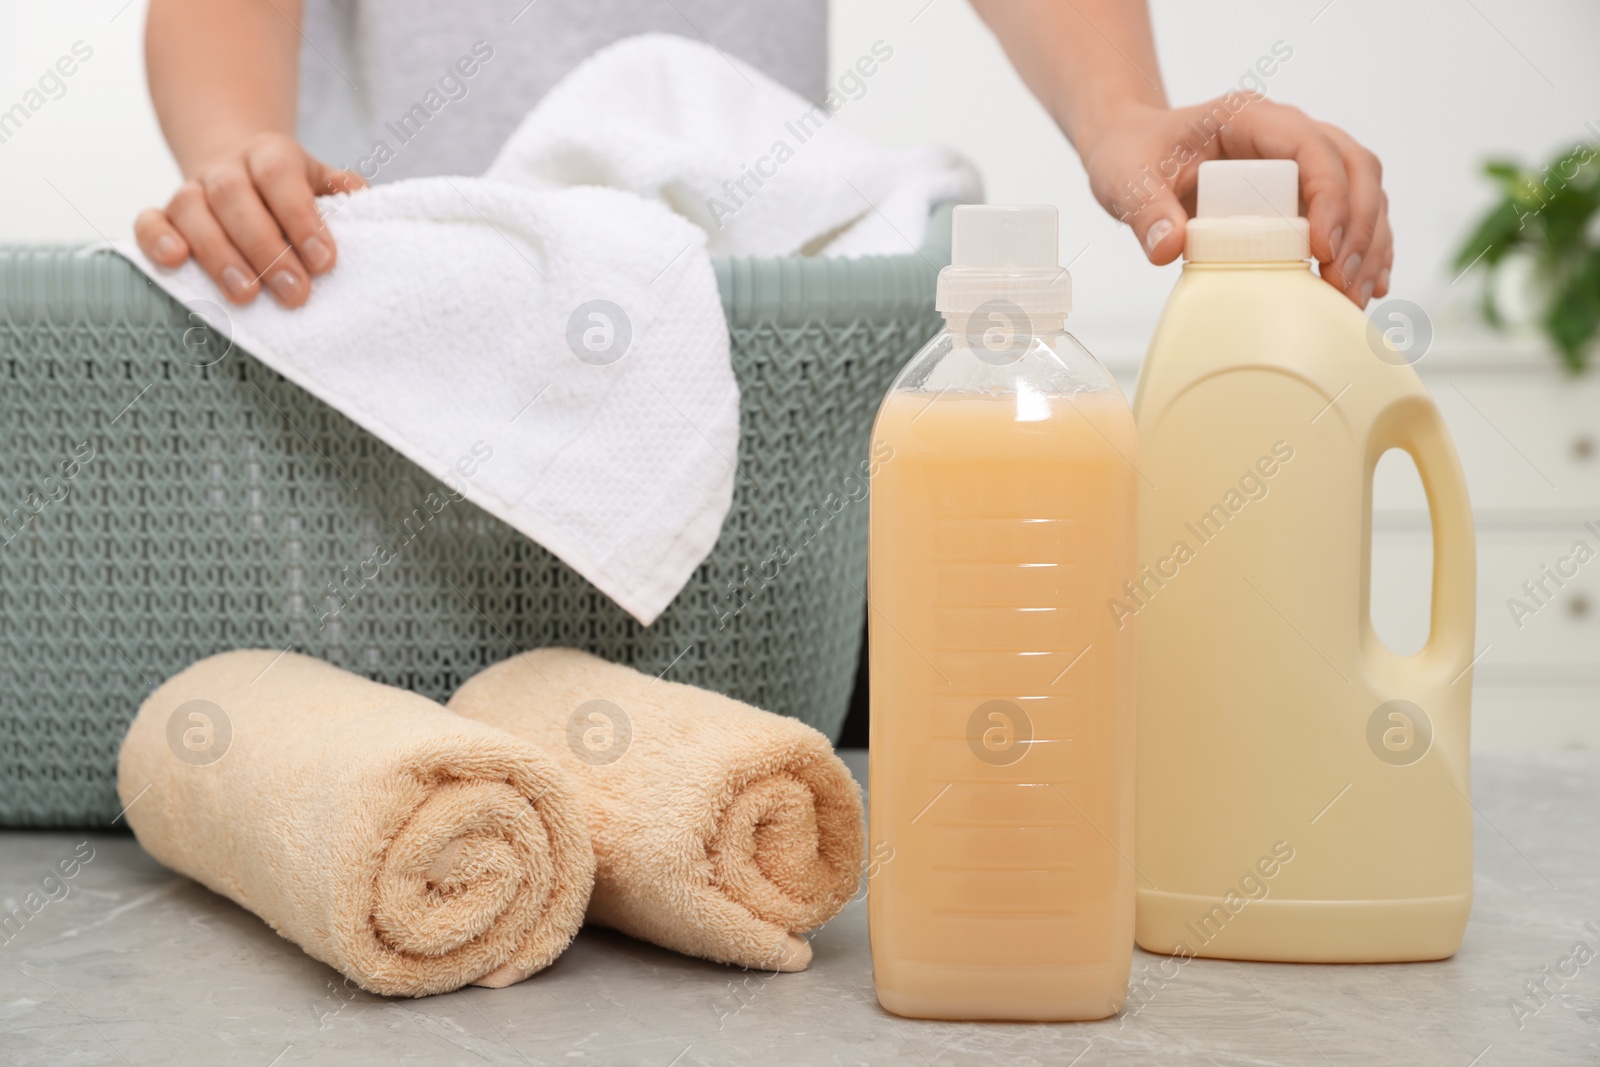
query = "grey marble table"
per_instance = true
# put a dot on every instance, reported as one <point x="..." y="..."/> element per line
<point x="137" y="965"/>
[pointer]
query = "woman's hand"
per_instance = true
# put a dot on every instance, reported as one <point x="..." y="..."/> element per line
<point x="250" y="216"/>
<point x="1144" y="162"/>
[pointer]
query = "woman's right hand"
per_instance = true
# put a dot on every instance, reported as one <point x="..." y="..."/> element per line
<point x="250" y="217"/>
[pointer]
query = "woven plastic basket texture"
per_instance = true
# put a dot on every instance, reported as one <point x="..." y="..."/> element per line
<point x="155" y="510"/>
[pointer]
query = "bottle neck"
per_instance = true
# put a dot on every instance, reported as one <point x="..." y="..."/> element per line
<point x="1268" y="264"/>
<point x="1247" y="239"/>
<point x="979" y="323"/>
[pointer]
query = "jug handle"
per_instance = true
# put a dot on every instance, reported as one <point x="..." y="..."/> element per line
<point x="1415" y="426"/>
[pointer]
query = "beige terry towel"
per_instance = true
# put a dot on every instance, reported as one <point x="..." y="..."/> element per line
<point x="410" y="849"/>
<point x="719" y="830"/>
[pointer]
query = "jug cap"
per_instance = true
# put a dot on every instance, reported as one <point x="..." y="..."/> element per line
<point x="1005" y="252"/>
<point x="1247" y="210"/>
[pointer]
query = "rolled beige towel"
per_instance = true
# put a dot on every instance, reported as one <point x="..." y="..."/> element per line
<point x="412" y="850"/>
<point x="719" y="830"/>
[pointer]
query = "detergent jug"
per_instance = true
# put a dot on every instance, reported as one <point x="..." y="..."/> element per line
<point x="1302" y="791"/>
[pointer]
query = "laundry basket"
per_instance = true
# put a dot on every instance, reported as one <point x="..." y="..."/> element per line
<point x="154" y="510"/>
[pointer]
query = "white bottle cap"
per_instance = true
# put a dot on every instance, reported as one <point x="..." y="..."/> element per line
<point x="1268" y="187"/>
<point x="1248" y="210"/>
<point x="1005" y="252"/>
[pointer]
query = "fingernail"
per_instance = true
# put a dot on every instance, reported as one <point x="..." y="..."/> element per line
<point x="1351" y="265"/>
<point x="236" y="281"/>
<point x="316" y="252"/>
<point x="167" y="247"/>
<point x="1366" y="292"/>
<point x="1157" y="233"/>
<point x="1333" y="241"/>
<point x="1383" y="279"/>
<point x="284" y="285"/>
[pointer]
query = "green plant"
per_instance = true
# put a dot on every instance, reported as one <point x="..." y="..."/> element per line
<point x="1554" y="217"/>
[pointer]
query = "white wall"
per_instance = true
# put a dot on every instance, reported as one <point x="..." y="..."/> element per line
<point x="84" y="164"/>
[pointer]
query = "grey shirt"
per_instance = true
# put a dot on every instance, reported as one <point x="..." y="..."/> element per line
<point x="407" y="88"/>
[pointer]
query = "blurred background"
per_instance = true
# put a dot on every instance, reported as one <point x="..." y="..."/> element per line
<point x="1435" y="87"/>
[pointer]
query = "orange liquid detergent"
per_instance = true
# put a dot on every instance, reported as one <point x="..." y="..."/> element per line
<point x="1002" y="724"/>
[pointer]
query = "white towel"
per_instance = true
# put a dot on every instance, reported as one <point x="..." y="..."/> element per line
<point x="763" y="171"/>
<point x="474" y="316"/>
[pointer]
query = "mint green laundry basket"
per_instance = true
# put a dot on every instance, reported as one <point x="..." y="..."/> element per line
<point x="154" y="511"/>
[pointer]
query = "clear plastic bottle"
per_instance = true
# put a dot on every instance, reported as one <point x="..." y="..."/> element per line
<point x="1003" y="518"/>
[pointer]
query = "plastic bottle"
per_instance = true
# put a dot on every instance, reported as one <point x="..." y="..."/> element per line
<point x="1003" y="514"/>
<point x="1302" y="790"/>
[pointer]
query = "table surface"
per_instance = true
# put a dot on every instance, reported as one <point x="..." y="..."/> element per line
<point x="138" y="965"/>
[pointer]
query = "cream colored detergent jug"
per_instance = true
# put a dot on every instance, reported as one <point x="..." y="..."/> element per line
<point x="1302" y="791"/>
<point x="1003" y="517"/>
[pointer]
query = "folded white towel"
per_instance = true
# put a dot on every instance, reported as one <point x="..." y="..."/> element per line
<point x="574" y="335"/>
